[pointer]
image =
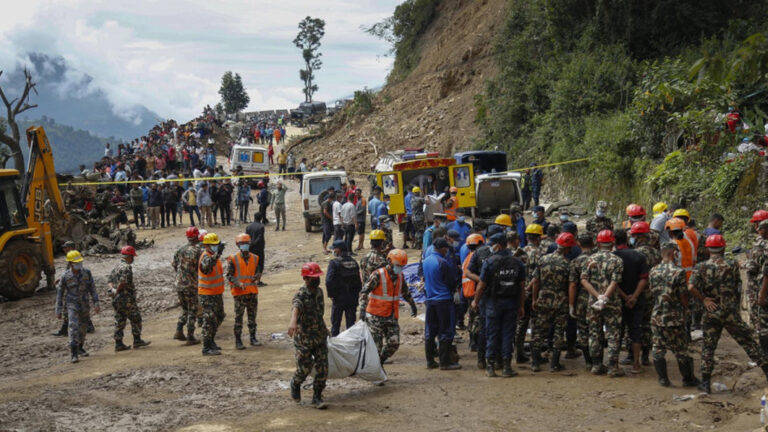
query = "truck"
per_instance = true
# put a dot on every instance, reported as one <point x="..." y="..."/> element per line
<point x="254" y="161"/>
<point x="314" y="190"/>
<point x="483" y="161"/>
<point x="495" y="193"/>
<point x="313" y="111"/>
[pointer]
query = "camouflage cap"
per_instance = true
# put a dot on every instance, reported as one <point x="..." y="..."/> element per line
<point x="669" y="245"/>
<point x="69" y="244"/>
<point x="763" y="224"/>
<point x="602" y="205"/>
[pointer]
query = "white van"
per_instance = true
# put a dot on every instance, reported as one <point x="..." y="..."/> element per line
<point x="495" y="193"/>
<point x="253" y="159"/>
<point x="313" y="192"/>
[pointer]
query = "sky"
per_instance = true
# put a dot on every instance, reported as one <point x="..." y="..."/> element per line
<point x="169" y="55"/>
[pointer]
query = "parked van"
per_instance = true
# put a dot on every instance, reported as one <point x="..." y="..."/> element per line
<point x="495" y="193"/>
<point x="483" y="161"/>
<point x="253" y="160"/>
<point x="314" y="190"/>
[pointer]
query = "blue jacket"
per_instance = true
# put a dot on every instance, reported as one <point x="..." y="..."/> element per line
<point x="438" y="277"/>
<point x="427" y="240"/>
<point x="462" y="228"/>
<point x="521" y="232"/>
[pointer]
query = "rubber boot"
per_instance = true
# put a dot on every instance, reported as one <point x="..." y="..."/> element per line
<point x="535" y="360"/>
<point x="254" y="341"/>
<point x="120" y="346"/>
<point x="191" y="339"/>
<point x="490" y="371"/>
<point x="138" y="343"/>
<point x="686" y="371"/>
<point x="179" y="333"/>
<point x="661" y="371"/>
<point x="63" y="331"/>
<point x="73" y="350"/>
<point x="317" y="400"/>
<point x="81" y="351"/>
<point x="429" y="352"/>
<point x="90" y="328"/>
<point x="445" y="357"/>
<point x="239" y="343"/>
<point x="508" y="372"/>
<point x="520" y="357"/>
<point x="554" y="362"/>
<point x="704" y="385"/>
<point x="209" y="351"/>
<point x="587" y="359"/>
<point x="295" y="391"/>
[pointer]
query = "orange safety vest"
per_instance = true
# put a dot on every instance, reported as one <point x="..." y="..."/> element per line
<point x="687" y="255"/>
<point x="450" y="211"/>
<point x="213" y="283"/>
<point x="245" y="271"/>
<point x="467" y="284"/>
<point x="694" y="237"/>
<point x="384" y="300"/>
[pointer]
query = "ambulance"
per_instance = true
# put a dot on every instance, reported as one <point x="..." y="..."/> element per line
<point x="253" y="160"/>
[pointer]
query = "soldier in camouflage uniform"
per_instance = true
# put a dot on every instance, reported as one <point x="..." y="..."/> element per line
<point x="666" y="282"/>
<point x="385" y="328"/>
<point x="552" y="232"/>
<point x="533" y="233"/>
<point x="717" y="283"/>
<point x="76" y="285"/>
<point x="640" y="233"/>
<point x="417" y="216"/>
<point x="601" y="276"/>
<point x="600" y="221"/>
<point x="758" y="257"/>
<point x="67" y="247"/>
<point x="124" y="300"/>
<point x="578" y="298"/>
<point x="309" y="335"/>
<point x="185" y="262"/>
<point x="376" y="257"/>
<point x="550" y="300"/>
<point x="210" y="287"/>
<point x="762" y="297"/>
<point x="243" y="282"/>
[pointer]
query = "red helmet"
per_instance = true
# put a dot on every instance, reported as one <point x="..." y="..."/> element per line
<point x="260" y="184"/>
<point x="634" y="210"/>
<point x="566" y="239"/>
<point x="715" y="241"/>
<point x="128" y="250"/>
<point x="192" y="232"/>
<point x="759" y="216"/>
<point x="311" y="269"/>
<point x="605" y="236"/>
<point x="641" y="227"/>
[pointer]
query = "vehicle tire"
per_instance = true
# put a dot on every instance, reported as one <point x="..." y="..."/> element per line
<point x="20" y="266"/>
<point x="307" y="225"/>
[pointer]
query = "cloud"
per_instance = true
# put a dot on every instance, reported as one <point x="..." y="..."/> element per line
<point x="169" y="55"/>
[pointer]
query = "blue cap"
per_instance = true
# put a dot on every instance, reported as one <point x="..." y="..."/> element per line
<point x="499" y="238"/>
<point x="569" y="227"/>
<point x="440" y="243"/>
<point x="538" y="208"/>
<point x="453" y="234"/>
<point x="495" y="229"/>
<point x="339" y="244"/>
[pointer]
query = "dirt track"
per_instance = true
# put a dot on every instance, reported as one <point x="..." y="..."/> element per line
<point x="168" y="386"/>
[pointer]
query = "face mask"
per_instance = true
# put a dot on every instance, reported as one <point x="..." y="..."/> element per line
<point x="460" y="219"/>
<point x="314" y="283"/>
<point x="600" y="213"/>
<point x="77" y="266"/>
<point x="396" y="269"/>
<point x="429" y="180"/>
<point x="244" y="247"/>
<point x="455" y="244"/>
<point x="563" y="218"/>
<point x="632" y="241"/>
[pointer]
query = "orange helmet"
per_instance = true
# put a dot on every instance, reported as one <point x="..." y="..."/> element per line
<point x="475" y="239"/>
<point x="634" y="210"/>
<point x="675" y="224"/>
<point x="242" y="238"/>
<point x="397" y="256"/>
<point x="454" y="189"/>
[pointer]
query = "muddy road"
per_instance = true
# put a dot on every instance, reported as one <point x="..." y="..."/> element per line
<point x="168" y="386"/>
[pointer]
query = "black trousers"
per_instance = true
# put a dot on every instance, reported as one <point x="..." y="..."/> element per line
<point x="138" y="212"/>
<point x="170" y="209"/>
<point x="342" y="307"/>
<point x="226" y="213"/>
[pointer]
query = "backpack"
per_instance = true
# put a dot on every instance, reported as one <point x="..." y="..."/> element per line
<point x="505" y="280"/>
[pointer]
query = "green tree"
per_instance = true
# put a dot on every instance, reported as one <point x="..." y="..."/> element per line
<point x="311" y="30"/>
<point x="233" y="94"/>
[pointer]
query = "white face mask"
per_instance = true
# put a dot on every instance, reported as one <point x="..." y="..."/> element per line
<point x="600" y="213"/>
<point x="397" y="269"/>
<point x="77" y="266"/>
<point x="563" y="218"/>
<point x="460" y="219"/>
<point x="244" y="247"/>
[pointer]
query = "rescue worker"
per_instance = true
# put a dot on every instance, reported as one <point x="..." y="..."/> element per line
<point x="460" y="226"/>
<point x="242" y="273"/>
<point x="690" y="231"/>
<point x="761" y="298"/>
<point x="717" y="284"/>
<point x="67" y="247"/>
<point x="440" y="290"/>
<point x="451" y="204"/>
<point x="123" y="293"/>
<point x="549" y="241"/>
<point x="578" y="297"/>
<point x="417" y="216"/>
<point x="539" y="218"/>
<point x="533" y="233"/>
<point x="518" y="222"/>
<point x="438" y="219"/>
<point x="601" y="276"/>
<point x="468" y="285"/>
<point x="659" y="222"/>
<point x="375" y="258"/>
<point x="669" y="294"/>
<point x="757" y="258"/>
<point x="600" y="221"/>
<point x="309" y="334"/>
<point x="380" y="303"/>
<point x="640" y="242"/>
<point x="343" y="283"/>
<point x="185" y="265"/>
<point x="76" y="285"/>
<point x="635" y="213"/>
<point x="686" y="259"/>
<point x="210" y="287"/>
<point x="549" y="300"/>
<point x="501" y="289"/>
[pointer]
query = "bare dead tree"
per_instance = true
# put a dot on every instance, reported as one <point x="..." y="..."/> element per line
<point x="13" y="108"/>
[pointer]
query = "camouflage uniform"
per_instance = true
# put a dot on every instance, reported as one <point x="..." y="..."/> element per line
<point x="417" y="217"/>
<point x="652" y="259"/>
<point x="666" y="283"/>
<point x="213" y="305"/>
<point x="544" y="245"/>
<point x="601" y="269"/>
<point x="552" y="302"/>
<point x="582" y="300"/>
<point x="124" y="302"/>
<point x="531" y="261"/>
<point x="385" y="330"/>
<point x="243" y="303"/>
<point x="72" y="293"/>
<point x="764" y="311"/>
<point x="718" y="278"/>
<point x="758" y="257"/>
<point x="371" y="261"/>
<point x="185" y="262"/>
<point x="310" y="338"/>
<point x="476" y="326"/>
<point x="596" y="224"/>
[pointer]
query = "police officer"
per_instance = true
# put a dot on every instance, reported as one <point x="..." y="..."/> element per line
<point x="309" y="334"/>
<point x="185" y="264"/>
<point x="210" y="287"/>
<point x="67" y="247"/>
<point x="124" y="300"/>
<point x="440" y="287"/>
<point x="76" y="285"/>
<point x="501" y="289"/>
<point x="342" y="280"/>
<point x="375" y="258"/>
<point x="242" y="273"/>
<point x="717" y="284"/>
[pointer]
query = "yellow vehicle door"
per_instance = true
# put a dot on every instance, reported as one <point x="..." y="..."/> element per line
<point x="463" y="178"/>
<point x="392" y="184"/>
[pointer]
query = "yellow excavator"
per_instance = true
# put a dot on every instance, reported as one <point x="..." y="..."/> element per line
<point x="26" y="218"/>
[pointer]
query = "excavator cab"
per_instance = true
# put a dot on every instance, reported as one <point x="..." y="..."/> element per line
<point x="12" y="215"/>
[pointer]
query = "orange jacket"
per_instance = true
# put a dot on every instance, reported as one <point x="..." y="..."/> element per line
<point x="467" y="284"/>
<point x="687" y="255"/>
<point x="213" y="283"/>
<point x="450" y="209"/>
<point x="384" y="300"/>
<point x="245" y="271"/>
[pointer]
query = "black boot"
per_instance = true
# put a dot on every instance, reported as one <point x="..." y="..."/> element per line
<point x="535" y="360"/>
<point x="481" y="360"/>
<point x="214" y="346"/>
<point x="239" y="343"/>
<point x="763" y="344"/>
<point x="254" y="341"/>
<point x="208" y="350"/>
<point x="490" y="371"/>
<point x="317" y="400"/>
<point x="661" y="371"/>
<point x="120" y="346"/>
<point x="63" y="331"/>
<point x="520" y="357"/>
<point x="295" y="391"/>
<point x="554" y="362"/>
<point x="179" y="333"/>
<point x="587" y="358"/>
<point x="686" y="371"/>
<point x="191" y="338"/>
<point x="90" y="328"/>
<point x="472" y="342"/>
<point x="508" y="372"/>
<point x="445" y="357"/>
<point x="73" y="350"/>
<point x="429" y="351"/>
<point x="704" y="385"/>
<point x="138" y="342"/>
<point x="572" y="352"/>
<point x="644" y="358"/>
<point x="81" y="351"/>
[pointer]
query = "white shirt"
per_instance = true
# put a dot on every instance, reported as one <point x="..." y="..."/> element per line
<point x="336" y="213"/>
<point x="348" y="213"/>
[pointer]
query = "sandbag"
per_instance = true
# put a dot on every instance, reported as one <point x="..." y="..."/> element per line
<point x="353" y="353"/>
